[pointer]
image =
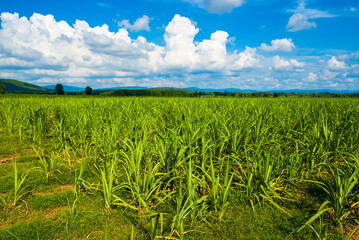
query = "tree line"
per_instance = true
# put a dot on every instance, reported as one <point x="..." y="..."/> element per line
<point x="59" y="90"/>
<point x="148" y="92"/>
<point x="2" y="89"/>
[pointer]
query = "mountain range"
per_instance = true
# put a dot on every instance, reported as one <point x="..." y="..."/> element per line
<point x="15" y="86"/>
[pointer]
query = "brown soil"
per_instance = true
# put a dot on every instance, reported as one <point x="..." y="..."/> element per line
<point x="350" y="230"/>
<point x="26" y="218"/>
<point x="55" y="211"/>
<point x="7" y="160"/>
<point x="58" y="189"/>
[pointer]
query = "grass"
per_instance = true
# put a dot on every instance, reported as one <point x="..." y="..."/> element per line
<point x="178" y="168"/>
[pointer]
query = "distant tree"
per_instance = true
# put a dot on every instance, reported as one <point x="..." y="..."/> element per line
<point x="88" y="90"/>
<point x="266" y="94"/>
<point x="2" y="89"/>
<point x="59" y="89"/>
<point x="275" y="94"/>
<point x="240" y="94"/>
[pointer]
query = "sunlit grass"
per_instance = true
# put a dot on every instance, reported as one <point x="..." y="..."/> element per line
<point x="178" y="166"/>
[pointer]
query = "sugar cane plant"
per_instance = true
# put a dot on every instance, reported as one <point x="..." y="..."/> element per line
<point x="180" y="165"/>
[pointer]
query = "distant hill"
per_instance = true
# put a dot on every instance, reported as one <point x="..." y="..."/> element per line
<point x="67" y="88"/>
<point x="193" y="89"/>
<point x="148" y="92"/>
<point x="116" y="88"/>
<point x="232" y="90"/>
<point x="19" y="86"/>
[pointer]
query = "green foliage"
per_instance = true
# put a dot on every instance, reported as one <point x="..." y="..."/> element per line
<point x="19" y="189"/>
<point x="59" y="89"/>
<point x="88" y="90"/>
<point x="187" y="168"/>
<point x="12" y="85"/>
<point x="148" y="92"/>
<point x="2" y="89"/>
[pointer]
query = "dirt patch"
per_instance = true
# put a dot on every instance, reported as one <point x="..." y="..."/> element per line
<point x="55" y="211"/>
<point x="10" y="160"/>
<point x="65" y="187"/>
<point x="27" y="150"/>
<point x="350" y="230"/>
<point x="58" y="189"/>
<point x="5" y="225"/>
<point x="35" y="215"/>
<point x="7" y="160"/>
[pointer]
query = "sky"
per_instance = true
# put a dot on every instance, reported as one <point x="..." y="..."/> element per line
<point x="246" y="44"/>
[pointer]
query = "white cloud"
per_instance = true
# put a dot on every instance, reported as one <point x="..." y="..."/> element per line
<point x="246" y="59"/>
<point x="353" y="9"/>
<point x="43" y="43"/>
<point x="335" y="64"/>
<point x="281" y="63"/>
<point x="44" y="50"/>
<point x="141" y="24"/>
<point x="312" y="77"/>
<point x="213" y="52"/>
<point x="351" y="80"/>
<point x="217" y="6"/>
<point x="327" y="74"/>
<point x="299" y="22"/>
<point x="279" y="45"/>
<point x="179" y="37"/>
<point x="300" y="19"/>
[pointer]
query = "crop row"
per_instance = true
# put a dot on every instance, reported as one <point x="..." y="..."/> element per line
<point x="184" y="162"/>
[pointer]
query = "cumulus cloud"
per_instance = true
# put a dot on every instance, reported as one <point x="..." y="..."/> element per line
<point x="217" y="6"/>
<point x="246" y="59"/>
<point x="213" y="52"/>
<point x="141" y="24"/>
<point x="208" y="55"/>
<point x="45" y="50"/>
<point x="312" y="77"/>
<point x="335" y="64"/>
<point x="281" y="63"/>
<point x="300" y="20"/>
<point x="328" y="75"/>
<point x="179" y="37"/>
<point x="41" y="42"/>
<point x="279" y="45"/>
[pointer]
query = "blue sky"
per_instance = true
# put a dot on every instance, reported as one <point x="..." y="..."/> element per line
<point x="253" y="44"/>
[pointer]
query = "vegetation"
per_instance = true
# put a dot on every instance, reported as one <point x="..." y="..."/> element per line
<point x="18" y="86"/>
<point x="148" y="92"/>
<point x="59" y="89"/>
<point x="2" y="89"/>
<point x="88" y="90"/>
<point x="14" y="86"/>
<point x="179" y="168"/>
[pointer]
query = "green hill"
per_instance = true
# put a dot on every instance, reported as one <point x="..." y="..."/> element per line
<point x="154" y="92"/>
<point x="18" y="86"/>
